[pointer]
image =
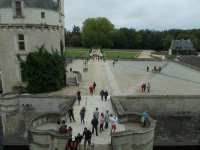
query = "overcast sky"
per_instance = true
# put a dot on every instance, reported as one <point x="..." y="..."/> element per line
<point x="138" y="14"/>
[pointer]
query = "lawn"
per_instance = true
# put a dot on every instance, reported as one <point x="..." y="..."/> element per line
<point x="77" y="53"/>
<point x="121" y="53"/>
<point x="107" y="53"/>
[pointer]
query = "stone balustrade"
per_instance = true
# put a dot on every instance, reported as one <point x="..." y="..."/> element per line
<point x="46" y="139"/>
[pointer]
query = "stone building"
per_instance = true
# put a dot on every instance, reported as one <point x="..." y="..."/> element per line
<point x="25" y="25"/>
<point x="181" y="45"/>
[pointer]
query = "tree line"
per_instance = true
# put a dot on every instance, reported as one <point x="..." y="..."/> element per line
<point x="100" y="32"/>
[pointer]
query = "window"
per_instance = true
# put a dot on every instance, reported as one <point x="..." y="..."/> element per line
<point x="21" y="42"/>
<point x="42" y="14"/>
<point x="18" y="9"/>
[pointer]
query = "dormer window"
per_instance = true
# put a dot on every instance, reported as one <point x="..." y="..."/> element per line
<point x="18" y="9"/>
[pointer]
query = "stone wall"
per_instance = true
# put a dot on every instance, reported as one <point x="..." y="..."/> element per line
<point x="137" y="138"/>
<point x="175" y="105"/>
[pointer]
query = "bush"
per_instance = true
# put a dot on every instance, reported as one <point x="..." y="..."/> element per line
<point x="44" y="71"/>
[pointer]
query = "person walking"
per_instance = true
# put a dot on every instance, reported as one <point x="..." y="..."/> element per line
<point x="113" y="120"/>
<point x="101" y="121"/>
<point x="96" y="113"/>
<point x="79" y="138"/>
<point x="94" y="86"/>
<point x="78" y="95"/>
<point x="106" y="117"/>
<point x="87" y="135"/>
<point x="91" y="89"/>
<point x="82" y="114"/>
<point x="71" y="113"/>
<point x="144" y="117"/>
<point x="147" y="68"/>
<point x="105" y="94"/>
<point x="94" y="123"/>
<point x="101" y="93"/>
<point x="148" y="87"/>
<point x="72" y="143"/>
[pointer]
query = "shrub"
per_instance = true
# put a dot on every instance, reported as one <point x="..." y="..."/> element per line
<point x="44" y="71"/>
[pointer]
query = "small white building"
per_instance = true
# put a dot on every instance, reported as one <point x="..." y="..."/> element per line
<point x="25" y="25"/>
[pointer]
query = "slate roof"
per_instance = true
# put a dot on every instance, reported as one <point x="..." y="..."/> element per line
<point x="46" y="4"/>
<point x="182" y="45"/>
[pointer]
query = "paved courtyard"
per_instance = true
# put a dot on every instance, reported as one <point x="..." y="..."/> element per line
<point x="125" y="78"/>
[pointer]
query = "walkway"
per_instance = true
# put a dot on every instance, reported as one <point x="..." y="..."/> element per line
<point x="91" y="102"/>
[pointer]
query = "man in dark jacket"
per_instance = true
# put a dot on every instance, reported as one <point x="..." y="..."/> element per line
<point x="105" y="94"/>
<point x="94" y="123"/>
<point x="88" y="135"/>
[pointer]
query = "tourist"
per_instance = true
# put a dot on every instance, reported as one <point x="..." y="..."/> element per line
<point x="91" y="89"/>
<point x="87" y="135"/>
<point x="94" y="86"/>
<point x="101" y="121"/>
<point x="72" y="143"/>
<point x="63" y="127"/>
<point x="148" y="87"/>
<point x="58" y="125"/>
<point x="82" y="114"/>
<point x="144" y="117"/>
<point x="113" y="120"/>
<point x="113" y="63"/>
<point x="106" y="117"/>
<point x="105" y="94"/>
<point x="94" y="123"/>
<point x="101" y="93"/>
<point x="79" y="138"/>
<point x="71" y="113"/>
<point x="96" y="113"/>
<point x="78" y="95"/>
<point x="147" y="68"/>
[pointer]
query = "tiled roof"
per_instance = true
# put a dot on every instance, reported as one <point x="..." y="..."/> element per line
<point x="182" y="45"/>
<point x="46" y="4"/>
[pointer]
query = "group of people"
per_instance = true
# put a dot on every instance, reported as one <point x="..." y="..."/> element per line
<point x="155" y="69"/>
<point x="62" y="127"/>
<point x="104" y="94"/>
<point x="146" y="86"/>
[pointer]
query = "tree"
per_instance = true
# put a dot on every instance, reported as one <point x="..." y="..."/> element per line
<point x="95" y="32"/>
<point x="43" y="71"/>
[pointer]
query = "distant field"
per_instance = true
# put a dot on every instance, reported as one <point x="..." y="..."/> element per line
<point x="77" y="52"/>
<point x="107" y="53"/>
<point x="121" y="53"/>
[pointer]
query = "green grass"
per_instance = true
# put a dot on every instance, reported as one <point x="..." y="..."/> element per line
<point x="107" y="53"/>
<point x="121" y="53"/>
<point x="76" y="53"/>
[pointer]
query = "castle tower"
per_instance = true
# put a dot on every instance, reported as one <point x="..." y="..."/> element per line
<point x="27" y="24"/>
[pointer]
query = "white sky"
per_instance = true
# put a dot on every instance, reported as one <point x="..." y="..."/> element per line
<point x="138" y="14"/>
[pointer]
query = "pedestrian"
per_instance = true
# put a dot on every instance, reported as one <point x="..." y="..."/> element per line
<point x="113" y="63"/>
<point x="145" y="86"/>
<point x="58" y="125"/>
<point x="63" y="127"/>
<point x="148" y="87"/>
<point x="72" y="143"/>
<point x="144" y="116"/>
<point x="94" y="123"/>
<point x="96" y="113"/>
<point x="113" y="120"/>
<point x="91" y="89"/>
<point x="87" y="134"/>
<point x="101" y="121"/>
<point x="147" y="68"/>
<point x="105" y="94"/>
<point x="106" y="116"/>
<point x="78" y="95"/>
<point x="82" y="114"/>
<point x="71" y="113"/>
<point x="79" y="138"/>
<point x="101" y="93"/>
<point x="94" y="86"/>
